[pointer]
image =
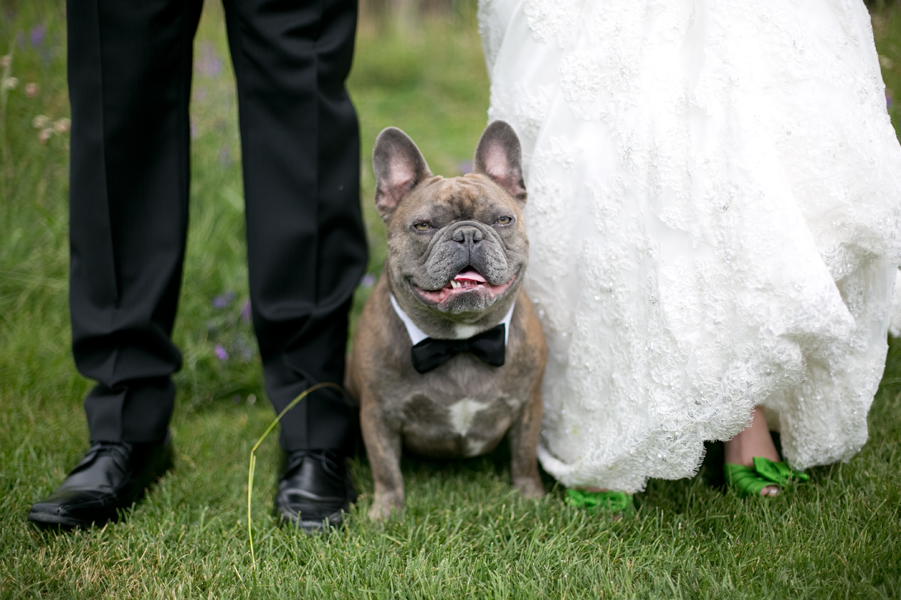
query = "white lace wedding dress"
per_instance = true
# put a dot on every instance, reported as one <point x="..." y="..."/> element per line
<point x="714" y="202"/>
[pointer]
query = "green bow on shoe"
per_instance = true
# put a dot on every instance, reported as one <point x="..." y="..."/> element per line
<point x="749" y="481"/>
<point x="606" y="502"/>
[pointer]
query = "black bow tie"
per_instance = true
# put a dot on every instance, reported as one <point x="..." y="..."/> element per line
<point x="488" y="346"/>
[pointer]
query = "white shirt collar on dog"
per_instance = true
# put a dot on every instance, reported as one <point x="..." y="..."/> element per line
<point x="417" y="334"/>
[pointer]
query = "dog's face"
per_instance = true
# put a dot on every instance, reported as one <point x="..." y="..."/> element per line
<point x="457" y="248"/>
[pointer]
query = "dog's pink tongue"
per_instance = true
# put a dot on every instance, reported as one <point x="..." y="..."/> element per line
<point x="470" y="275"/>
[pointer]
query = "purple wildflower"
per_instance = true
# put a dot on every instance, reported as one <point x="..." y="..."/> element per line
<point x="465" y="166"/>
<point x="220" y="352"/>
<point x="245" y="312"/>
<point x="224" y="300"/>
<point x="37" y="35"/>
<point x="888" y="99"/>
<point x="368" y="280"/>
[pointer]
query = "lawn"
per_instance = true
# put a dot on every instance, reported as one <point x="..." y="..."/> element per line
<point x="465" y="531"/>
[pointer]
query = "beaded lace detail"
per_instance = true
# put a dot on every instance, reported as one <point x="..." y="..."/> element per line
<point x="714" y="209"/>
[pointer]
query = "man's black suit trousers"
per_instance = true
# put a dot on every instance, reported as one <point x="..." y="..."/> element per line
<point x="130" y="65"/>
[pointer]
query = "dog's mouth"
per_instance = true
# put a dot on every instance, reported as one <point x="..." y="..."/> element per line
<point x="467" y="281"/>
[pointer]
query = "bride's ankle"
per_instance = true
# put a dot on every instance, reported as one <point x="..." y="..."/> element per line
<point x="753" y="441"/>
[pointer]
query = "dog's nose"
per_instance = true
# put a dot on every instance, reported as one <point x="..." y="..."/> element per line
<point x="468" y="235"/>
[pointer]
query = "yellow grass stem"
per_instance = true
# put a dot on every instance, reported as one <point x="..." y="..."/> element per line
<point x="253" y="458"/>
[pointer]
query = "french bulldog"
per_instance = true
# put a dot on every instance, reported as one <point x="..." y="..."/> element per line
<point x="449" y="354"/>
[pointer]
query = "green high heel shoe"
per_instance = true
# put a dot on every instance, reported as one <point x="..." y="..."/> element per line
<point x="613" y="503"/>
<point x="749" y="481"/>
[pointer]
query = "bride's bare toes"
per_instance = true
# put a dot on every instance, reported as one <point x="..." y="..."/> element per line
<point x="770" y="490"/>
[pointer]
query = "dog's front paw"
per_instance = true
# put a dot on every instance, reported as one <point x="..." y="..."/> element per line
<point x="529" y="487"/>
<point x="384" y="504"/>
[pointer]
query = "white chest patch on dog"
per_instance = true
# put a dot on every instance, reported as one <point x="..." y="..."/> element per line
<point x="462" y="414"/>
<point x="474" y="448"/>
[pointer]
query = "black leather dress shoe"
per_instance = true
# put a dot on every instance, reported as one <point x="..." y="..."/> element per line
<point x="112" y="476"/>
<point x="315" y="490"/>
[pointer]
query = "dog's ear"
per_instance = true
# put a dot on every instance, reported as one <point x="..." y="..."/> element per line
<point x="399" y="166"/>
<point x="499" y="156"/>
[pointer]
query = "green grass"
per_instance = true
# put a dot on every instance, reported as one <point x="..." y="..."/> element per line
<point x="465" y="532"/>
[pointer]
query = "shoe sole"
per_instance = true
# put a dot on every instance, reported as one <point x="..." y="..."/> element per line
<point x="313" y="527"/>
<point x="330" y="522"/>
<point x="51" y="521"/>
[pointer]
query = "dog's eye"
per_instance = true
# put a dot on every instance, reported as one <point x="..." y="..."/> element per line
<point x="422" y="226"/>
<point x="504" y="220"/>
